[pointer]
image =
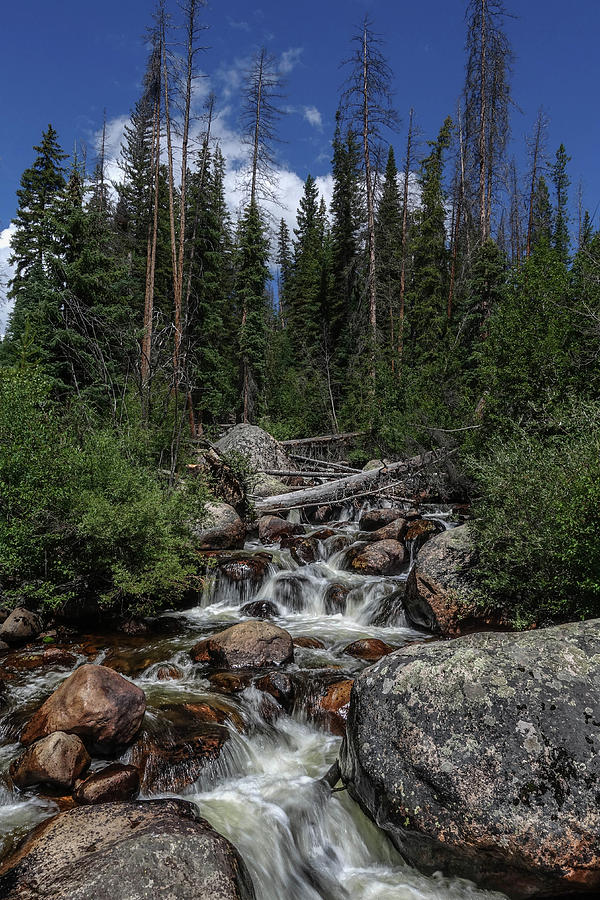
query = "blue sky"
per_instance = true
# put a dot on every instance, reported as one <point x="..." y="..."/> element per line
<point x="65" y="62"/>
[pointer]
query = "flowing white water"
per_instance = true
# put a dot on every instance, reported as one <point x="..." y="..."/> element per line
<point x="264" y="793"/>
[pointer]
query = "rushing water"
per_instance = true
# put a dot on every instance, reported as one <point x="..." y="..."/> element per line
<point x="264" y="792"/>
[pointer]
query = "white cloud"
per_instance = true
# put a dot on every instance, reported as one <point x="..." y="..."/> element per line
<point x="5" y="275"/>
<point x="290" y="59"/>
<point x="313" y="116"/>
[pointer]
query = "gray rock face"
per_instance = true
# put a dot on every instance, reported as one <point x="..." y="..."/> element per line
<point x="20" y="626"/>
<point x="155" y="850"/>
<point x="221" y="529"/>
<point x="480" y="757"/>
<point x="57" y="760"/>
<point x="439" y="596"/>
<point x="259" y="449"/>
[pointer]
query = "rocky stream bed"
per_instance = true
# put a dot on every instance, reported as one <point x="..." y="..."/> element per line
<point x="229" y="715"/>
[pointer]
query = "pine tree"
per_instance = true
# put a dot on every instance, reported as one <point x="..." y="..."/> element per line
<point x="251" y="283"/>
<point x="306" y="283"/>
<point x="541" y="216"/>
<point x="388" y="239"/>
<point x="284" y="261"/>
<point x="561" y="241"/>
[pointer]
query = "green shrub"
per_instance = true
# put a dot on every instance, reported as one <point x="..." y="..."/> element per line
<point x="79" y="513"/>
<point x="537" y="522"/>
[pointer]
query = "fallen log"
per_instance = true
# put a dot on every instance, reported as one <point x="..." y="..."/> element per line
<point x="349" y="487"/>
<point x="322" y="462"/>
<point x="321" y="439"/>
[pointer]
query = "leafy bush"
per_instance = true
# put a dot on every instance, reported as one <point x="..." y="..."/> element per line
<point x="537" y="523"/>
<point x="79" y="514"/>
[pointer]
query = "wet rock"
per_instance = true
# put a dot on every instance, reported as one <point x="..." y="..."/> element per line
<point x="336" y="598"/>
<point x="169" y="672"/>
<point x="309" y="643"/>
<point x="278" y="685"/>
<point x="21" y="625"/>
<point x="304" y="550"/>
<point x="420" y="531"/>
<point x="57" y="760"/>
<point x="253" y="644"/>
<point x="126" y="851"/>
<point x="394" y="531"/>
<point x="230" y="682"/>
<point x="272" y="528"/>
<point x="134" y="626"/>
<point x="115" y="782"/>
<point x="53" y="657"/>
<point x="289" y="591"/>
<point x="369" y="649"/>
<point x="323" y="535"/>
<point x="340" y="542"/>
<point x="379" y="558"/>
<point x="97" y="704"/>
<point x="326" y="701"/>
<point x="327" y="513"/>
<point x="250" y="568"/>
<point x="439" y="594"/>
<point x="4" y="647"/>
<point x="260" y="609"/>
<point x="186" y="739"/>
<point x="479" y="757"/>
<point x="261" y="451"/>
<point x="377" y="518"/>
<point x="221" y="529"/>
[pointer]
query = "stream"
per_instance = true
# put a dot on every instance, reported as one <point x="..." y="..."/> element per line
<point x="261" y="786"/>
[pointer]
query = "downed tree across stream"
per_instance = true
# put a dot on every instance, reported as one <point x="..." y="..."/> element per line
<point x="361" y="484"/>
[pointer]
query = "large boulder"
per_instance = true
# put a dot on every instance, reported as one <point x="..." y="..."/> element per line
<point x="261" y="451"/>
<point x="379" y="558"/>
<point x="252" y="644"/>
<point x="20" y="626"/>
<point x="272" y="528"/>
<point x="57" y="760"/>
<point x="479" y="757"/>
<point x="220" y="529"/>
<point x="440" y="595"/>
<point x="126" y="851"/>
<point x="97" y="704"/>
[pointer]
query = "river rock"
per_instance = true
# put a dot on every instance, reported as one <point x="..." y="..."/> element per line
<point x="169" y="672"/>
<point x="379" y="558"/>
<point x="370" y="649"/>
<point x="57" y="760"/>
<point x="21" y="625"/>
<point x="272" y="528"/>
<point x="419" y="531"/>
<point x="53" y="657"/>
<point x="377" y="518"/>
<point x="249" y="568"/>
<point x="126" y="851"/>
<point x="260" y="609"/>
<point x="480" y="758"/>
<point x="336" y="598"/>
<point x="252" y="644"/>
<point x="393" y="531"/>
<point x="220" y="529"/>
<point x="329" y="704"/>
<point x="97" y="704"/>
<point x="115" y="782"/>
<point x="280" y="686"/>
<point x="439" y="594"/>
<point x="261" y="451"/>
<point x="304" y="550"/>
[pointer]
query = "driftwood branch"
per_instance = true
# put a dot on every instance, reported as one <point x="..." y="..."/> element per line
<point x="349" y="487"/>
<point x="322" y="462"/>
<point x="321" y="439"/>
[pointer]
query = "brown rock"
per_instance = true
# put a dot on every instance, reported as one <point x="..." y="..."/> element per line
<point x="134" y="626"/>
<point x="54" y="657"/>
<point x="304" y="550"/>
<point x="260" y="609"/>
<point x="377" y="518"/>
<point x="336" y="598"/>
<point x="334" y="706"/>
<point x="278" y="685"/>
<point x="20" y="626"/>
<point x="230" y="682"/>
<point x="250" y="568"/>
<point x="115" y="782"/>
<point x="168" y="672"/>
<point x="370" y="649"/>
<point x="272" y="528"/>
<point x="379" y="558"/>
<point x="309" y="643"/>
<point x="394" y="531"/>
<point x="253" y="644"/>
<point x="121" y="851"/>
<point x="57" y="760"/>
<point x="420" y="531"/>
<point x="97" y="704"/>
